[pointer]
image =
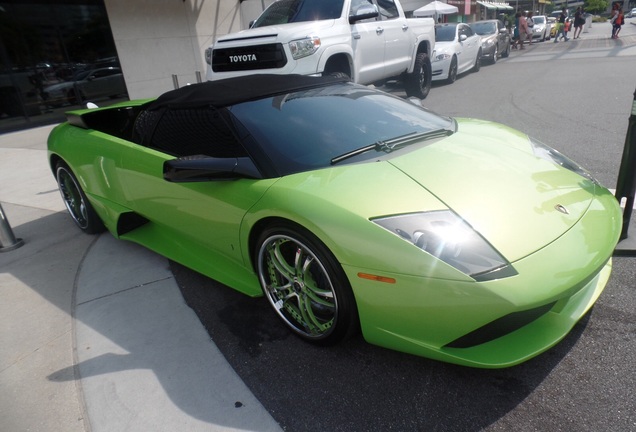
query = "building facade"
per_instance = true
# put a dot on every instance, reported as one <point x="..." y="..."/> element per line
<point x="56" y="55"/>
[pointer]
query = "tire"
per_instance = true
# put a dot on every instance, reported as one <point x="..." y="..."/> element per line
<point x="418" y="83"/>
<point x="340" y="75"/>
<point x="75" y="200"/>
<point x="305" y="285"/>
<point x="337" y="66"/>
<point x="477" y="62"/>
<point x="506" y="52"/>
<point x="452" y="71"/>
<point x="495" y="55"/>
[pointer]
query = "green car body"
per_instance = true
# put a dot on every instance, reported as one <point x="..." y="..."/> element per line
<point x="556" y="228"/>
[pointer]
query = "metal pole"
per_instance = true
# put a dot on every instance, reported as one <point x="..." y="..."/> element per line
<point x="198" y="75"/>
<point x="626" y="183"/>
<point x="175" y="81"/>
<point x="8" y="241"/>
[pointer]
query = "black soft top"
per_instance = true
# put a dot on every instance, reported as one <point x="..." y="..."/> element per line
<point x="235" y="90"/>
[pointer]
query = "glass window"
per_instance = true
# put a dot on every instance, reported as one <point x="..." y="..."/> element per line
<point x="388" y="10"/>
<point x="189" y="132"/>
<point x="46" y="49"/>
<point x="305" y="130"/>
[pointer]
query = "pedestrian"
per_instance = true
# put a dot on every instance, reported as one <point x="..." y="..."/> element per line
<point x="613" y="18"/>
<point x="530" y="23"/>
<point x="618" y="23"/>
<point x="579" y="22"/>
<point x="566" y="29"/>
<point x="515" y="33"/>
<point x="561" y="26"/>
<point x="523" y="29"/>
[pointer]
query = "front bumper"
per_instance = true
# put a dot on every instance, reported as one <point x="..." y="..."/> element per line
<point x="440" y="69"/>
<point x="556" y="286"/>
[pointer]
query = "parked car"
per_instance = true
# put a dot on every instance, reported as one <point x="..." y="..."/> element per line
<point x="457" y="50"/>
<point x="495" y="39"/>
<point x="369" y="41"/>
<point x="631" y="13"/>
<point x="542" y="28"/>
<point x="349" y="208"/>
<point x="553" y="27"/>
<point x="87" y="85"/>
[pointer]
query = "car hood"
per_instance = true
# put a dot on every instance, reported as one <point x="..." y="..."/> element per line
<point x="272" y="33"/>
<point x="445" y="46"/>
<point x="488" y="174"/>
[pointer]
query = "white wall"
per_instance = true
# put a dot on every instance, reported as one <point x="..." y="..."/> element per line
<point x="158" y="38"/>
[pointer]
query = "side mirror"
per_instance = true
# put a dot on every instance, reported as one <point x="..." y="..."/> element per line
<point x="462" y="37"/>
<point x="364" y="12"/>
<point x="204" y="168"/>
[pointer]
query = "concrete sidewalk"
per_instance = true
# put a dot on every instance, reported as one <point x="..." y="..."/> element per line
<point x="94" y="332"/>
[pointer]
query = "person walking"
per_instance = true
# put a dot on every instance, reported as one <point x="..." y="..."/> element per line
<point x="613" y="18"/>
<point x="579" y="22"/>
<point x="618" y="23"/>
<point x="530" y="23"/>
<point x="523" y="29"/>
<point x="561" y="26"/>
<point x="566" y="27"/>
<point x="515" y="33"/>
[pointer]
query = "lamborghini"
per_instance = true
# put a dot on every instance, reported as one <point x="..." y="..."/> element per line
<point x="350" y="210"/>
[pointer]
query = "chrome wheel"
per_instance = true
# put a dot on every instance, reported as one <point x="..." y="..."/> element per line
<point x="305" y="285"/>
<point x="73" y="198"/>
<point x="76" y="202"/>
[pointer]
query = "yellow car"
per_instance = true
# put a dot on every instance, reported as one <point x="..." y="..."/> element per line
<point x="553" y="27"/>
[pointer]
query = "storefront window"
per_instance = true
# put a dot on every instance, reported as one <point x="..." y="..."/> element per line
<point x="54" y="57"/>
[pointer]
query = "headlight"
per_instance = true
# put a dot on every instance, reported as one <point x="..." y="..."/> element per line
<point x="443" y="56"/>
<point x="548" y="153"/>
<point x="449" y="238"/>
<point x="487" y="43"/>
<point x="208" y="55"/>
<point x="304" y="47"/>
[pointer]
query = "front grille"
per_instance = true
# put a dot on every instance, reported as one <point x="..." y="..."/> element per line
<point x="269" y="56"/>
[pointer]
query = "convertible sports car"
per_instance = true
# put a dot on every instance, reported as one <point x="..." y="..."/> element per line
<point x="350" y="209"/>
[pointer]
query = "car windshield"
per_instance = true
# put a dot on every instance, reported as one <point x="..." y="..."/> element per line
<point x="292" y="11"/>
<point x="444" y="33"/>
<point x="306" y="130"/>
<point x="538" y="20"/>
<point x="484" y="28"/>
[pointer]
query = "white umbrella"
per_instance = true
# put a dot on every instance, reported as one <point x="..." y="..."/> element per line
<point x="435" y="8"/>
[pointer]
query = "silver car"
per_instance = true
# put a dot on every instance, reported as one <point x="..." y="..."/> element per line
<point x="495" y="39"/>
<point x="541" y="28"/>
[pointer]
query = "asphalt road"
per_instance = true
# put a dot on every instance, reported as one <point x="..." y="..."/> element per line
<point x="575" y="98"/>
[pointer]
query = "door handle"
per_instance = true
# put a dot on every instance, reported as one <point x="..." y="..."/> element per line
<point x="379" y="31"/>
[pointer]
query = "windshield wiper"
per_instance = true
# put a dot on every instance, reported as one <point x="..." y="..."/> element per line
<point x="388" y="146"/>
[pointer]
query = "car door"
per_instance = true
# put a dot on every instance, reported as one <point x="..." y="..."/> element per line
<point x="470" y="47"/>
<point x="398" y="45"/>
<point x="502" y="37"/>
<point x="103" y="82"/>
<point x="367" y="43"/>
<point x="198" y="217"/>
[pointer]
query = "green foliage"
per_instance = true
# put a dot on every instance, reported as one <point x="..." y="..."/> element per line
<point x="596" y="6"/>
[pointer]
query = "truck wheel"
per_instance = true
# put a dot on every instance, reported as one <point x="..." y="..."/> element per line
<point x="418" y="82"/>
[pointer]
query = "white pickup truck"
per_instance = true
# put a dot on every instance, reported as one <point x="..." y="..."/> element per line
<point x="370" y="41"/>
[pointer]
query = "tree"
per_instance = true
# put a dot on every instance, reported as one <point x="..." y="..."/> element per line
<point x="596" y="6"/>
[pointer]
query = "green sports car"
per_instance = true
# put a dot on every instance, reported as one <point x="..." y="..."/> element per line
<point x="350" y="210"/>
